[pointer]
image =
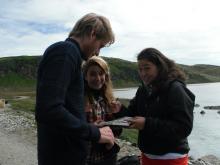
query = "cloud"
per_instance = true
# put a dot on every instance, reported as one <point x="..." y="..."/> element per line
<point x="186" y="31"/>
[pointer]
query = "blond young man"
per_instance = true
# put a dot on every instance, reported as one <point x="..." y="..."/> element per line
<point x="63" y="132"/>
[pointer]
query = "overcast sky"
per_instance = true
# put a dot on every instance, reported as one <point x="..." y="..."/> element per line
<point x="187" y="31"/>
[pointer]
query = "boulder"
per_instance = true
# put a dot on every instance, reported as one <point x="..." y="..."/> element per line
<point x="212" y="107"/>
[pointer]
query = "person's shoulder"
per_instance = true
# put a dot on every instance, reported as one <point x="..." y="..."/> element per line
<point x="140" y="89"/>
<point x="63" y="49"/>
<point x="172" y="86"/>
<point x="67" y="43"/>
<point x="56" y="44"/>
<point x="179" y="86"/>
<point x="63" y="45"/>
<point x="175" y="85"/>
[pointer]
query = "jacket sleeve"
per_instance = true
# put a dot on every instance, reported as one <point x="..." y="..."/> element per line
<point x="179" y="121"/>
<point x="53" y="81"/>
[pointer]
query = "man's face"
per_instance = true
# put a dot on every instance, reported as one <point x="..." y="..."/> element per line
<point x="92" y="46"/>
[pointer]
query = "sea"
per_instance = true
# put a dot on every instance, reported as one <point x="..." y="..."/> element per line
<point x="205" y="136"/>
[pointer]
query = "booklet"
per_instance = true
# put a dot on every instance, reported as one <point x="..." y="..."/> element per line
<point x="121" y="122"/>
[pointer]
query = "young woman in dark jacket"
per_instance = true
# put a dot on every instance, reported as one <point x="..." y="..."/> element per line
<point x="162" y="110"/>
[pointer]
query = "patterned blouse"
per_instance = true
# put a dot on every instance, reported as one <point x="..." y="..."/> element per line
<point x="95" y="113"/>
<point x="98" y="111"/>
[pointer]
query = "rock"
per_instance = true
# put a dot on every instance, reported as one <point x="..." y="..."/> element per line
<point x="197" y="105"/>
<point x="212" y="107"/>
<point x="205" y="160"/>
<point x="211" y="159"/>
<point x="127" y="149"/>
<point x="202" y="112"/>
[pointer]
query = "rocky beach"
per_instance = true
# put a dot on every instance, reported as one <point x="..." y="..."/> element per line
<point x="18" y="141"/>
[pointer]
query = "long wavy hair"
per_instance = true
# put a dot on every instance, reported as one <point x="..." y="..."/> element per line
<point x="167" y="68"/>
<point x="106" y="90"/>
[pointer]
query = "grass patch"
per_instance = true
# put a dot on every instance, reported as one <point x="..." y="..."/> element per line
<point x="14" y="80"/>
<point x="12" y="95"/>
<point x="27" y="105"/>
<point x="129" y="135"/>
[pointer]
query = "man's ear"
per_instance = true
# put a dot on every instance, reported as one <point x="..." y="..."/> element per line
<point x="93" y="34"/>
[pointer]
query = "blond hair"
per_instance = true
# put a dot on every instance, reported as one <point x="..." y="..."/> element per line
<point x="93" y="22"/>
<point x="106" y="90"/>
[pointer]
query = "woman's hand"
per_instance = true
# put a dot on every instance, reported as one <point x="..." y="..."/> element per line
<point x="137" y="122"/>
<point x="116" y="106"/>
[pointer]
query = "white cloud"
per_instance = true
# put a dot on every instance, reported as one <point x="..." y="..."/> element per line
<point x="186" y="31"/>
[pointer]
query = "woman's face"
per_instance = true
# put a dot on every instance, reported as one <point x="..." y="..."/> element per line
<point x="95" y="77"/>
<point x="147" y="71"/>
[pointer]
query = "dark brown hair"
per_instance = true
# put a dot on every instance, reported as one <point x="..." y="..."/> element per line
<point x="167" y="68"/>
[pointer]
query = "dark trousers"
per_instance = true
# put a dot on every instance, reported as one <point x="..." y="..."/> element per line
<point x="108" y="161"/>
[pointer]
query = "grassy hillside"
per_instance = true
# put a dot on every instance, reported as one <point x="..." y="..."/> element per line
<point x="123" y="73"/>
<point x="202" y="73"/>
<point x="20" y="72"/>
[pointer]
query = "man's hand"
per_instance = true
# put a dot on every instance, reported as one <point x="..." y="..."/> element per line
<point x="106" y="136"/>
<point x="137" y="122"/>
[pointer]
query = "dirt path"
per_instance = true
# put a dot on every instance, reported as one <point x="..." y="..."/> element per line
<point x="17" y="139"/>
<point x="16" y="151"/>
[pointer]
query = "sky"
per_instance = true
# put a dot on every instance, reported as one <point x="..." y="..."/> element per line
<point x="186" y="31"/>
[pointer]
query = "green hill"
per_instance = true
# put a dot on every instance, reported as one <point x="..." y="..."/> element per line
<point x="20" y="71"/>
<point x="202" y="73"/>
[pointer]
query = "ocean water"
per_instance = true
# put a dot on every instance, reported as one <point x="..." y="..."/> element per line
<point x="205" y="137"/>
